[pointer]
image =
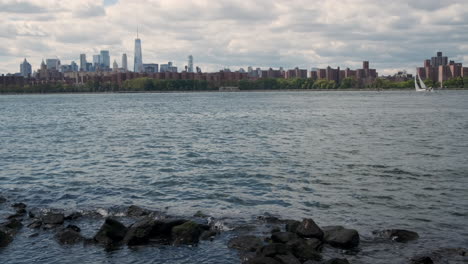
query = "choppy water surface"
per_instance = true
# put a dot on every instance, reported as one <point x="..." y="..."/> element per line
<point x="366" y="160"/>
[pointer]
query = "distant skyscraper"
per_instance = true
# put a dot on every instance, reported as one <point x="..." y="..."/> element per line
<point x="138" y="62"/>
<point x="115" y="66"/>
<point x="190" y="63"/>
<point x="53" y="64"/>
<point x="25" y="68"/>
<point x="74" y="66"/>
<point x="124" y="62"/>
<point x="83" y="62"/>
<point x="97" y="60"/>
<point x="105" y="58"/>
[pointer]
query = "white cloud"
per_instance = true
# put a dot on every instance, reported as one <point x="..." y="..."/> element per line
<point x="390" y="34"/>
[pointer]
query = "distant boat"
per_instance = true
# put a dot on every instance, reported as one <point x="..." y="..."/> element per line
<point x="422" y="87"/>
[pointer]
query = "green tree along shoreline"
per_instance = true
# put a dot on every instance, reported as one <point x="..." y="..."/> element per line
<point x="146" y="84"/>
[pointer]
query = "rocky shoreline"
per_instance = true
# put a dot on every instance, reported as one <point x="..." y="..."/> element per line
<point x="284" y="242"/>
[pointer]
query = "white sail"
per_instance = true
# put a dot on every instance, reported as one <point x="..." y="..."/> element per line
<point x="416" y="85"/>
<point x="423" y="85"/>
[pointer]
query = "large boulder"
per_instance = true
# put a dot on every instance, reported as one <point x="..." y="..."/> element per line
<point x="283" y="237"/>
<point x="287" y="259"/>
<point x="398" y="235"/>
<point x="421" y="260"/>
<point x="111" y="233"/>
<point x="306" y="249"/>
<point x="273" y="249"/>
<point x="163" y="229"/>
<point x="19" y="206"/>
<point x="340" y="237"/>
<point x="292" y="225"/>
<point x="187" y="233"/>
<point x="246" y="243"/>
<point x="12" y="225"/>
<point x="5" y="239"/>
<point x="140" y="232"/>
<point x="53" y="218"/>
<point x="136" y="211"/>
<point x="69" y="236"/>
<point x="309" y="229"/>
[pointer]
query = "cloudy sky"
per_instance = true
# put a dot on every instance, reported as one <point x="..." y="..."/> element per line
<point x="392" y="35"/>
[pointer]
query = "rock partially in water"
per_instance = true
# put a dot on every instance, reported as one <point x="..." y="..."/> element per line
<point x="273" y="249"/>
<point x="246" y="243"/>
<point x="74" y="227"/>
<point x="187" y="233"/>
<point x="163" y="229"/>
<point x="337" y="261"/>
<point x="111" y="233"/>
<point x="306" y="249"/>
<point x="19" y="205"/>
<point x="421" y="260"/>
<point x="5" y="239"/>
<point x="73" y="216"/>
<point x="12" y="225"/>
<point x="287" y="259"/>
<point x="209" y="234"/>
<point x="283" y="237"/>
<point x="263" y="260"/>
<point x="35" y="224"/>
<point x="200" y="214"/>
<point x="69" y="236"/>
<point x="140" y="232"/>
<point x="398" y="235"/>
<point x="292" y="225"/>
<point x="340" y="237"/>
<point x="309" y="229"/>
<point x="136" y="211"/>
<point x="53" y="219"/>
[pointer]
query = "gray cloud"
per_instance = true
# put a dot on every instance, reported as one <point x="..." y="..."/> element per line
<point x="20" y="7"/>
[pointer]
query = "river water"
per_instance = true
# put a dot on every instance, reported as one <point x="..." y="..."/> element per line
<point x="366" y="160"/>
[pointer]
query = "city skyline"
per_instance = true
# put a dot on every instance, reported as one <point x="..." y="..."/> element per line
<point x="237" y="34"/>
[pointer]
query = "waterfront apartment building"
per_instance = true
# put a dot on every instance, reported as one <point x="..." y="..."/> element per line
<point x="439" y="69"/>
<point x="296" y="73"/>
<point x="364" y="75"/>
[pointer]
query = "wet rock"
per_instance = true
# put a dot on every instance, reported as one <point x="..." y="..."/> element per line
<point x="19" y="206"/>
<point x="187" y="233"/>
<point x="208" y="235"/>
<point x="273" y="249"/>
<point x="21" y="211"/>
<point x="5" y="239"/>
<point x="35" y="224"/>
<point x="246" y="243"/>
<point x="275" y="229"/>
<point x="283" y="237"/>
<point x="111" y="233"/>
<point x="263" y="260"/>
<point x="337" y="261"/>
<point x="136" y="211"/>
<point x="308" y="228"/>
<point x="306" y="249"/>
<point x="31" y="214"/>
<point x="268" y="218"/>
<point x="340" y="237"/>
<point x="140" y="232"/>
<point x="53" y="219"/>
<point x="74" y="228"/>
<point x="13" y="224"/>
<point x="73" y="216"/>
<point x="69" y="236"/>
<point x="287" y="259"/>
<point x="292" y="225"/>
<point x="421" y="260"/>
<point x="398" y="235"/>
<point x="162" y="230"/>
<point x="15" y="216"/>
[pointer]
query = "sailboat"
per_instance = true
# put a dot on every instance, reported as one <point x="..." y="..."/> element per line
<point x="422" y="87"/>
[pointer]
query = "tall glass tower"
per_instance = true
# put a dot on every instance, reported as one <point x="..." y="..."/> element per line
<point x="138" y="62"/>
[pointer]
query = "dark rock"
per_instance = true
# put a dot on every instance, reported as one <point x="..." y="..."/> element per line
<point x="308" y="228"/>
<point x="35" y="224"/>
<point x="5" y="239"/>
<point x="140" y="232"/>
<point x="292" y="225"/>
<point x="19" y="206"/>
<point x="53" y="219"/>
<point x="306" y="249"/>
<point x="268" y="218"/>
<point x="69" y="236"/>
<point x="398" y="235"/>
<point x="275" y="229"/>
<point x="246" y="243"/>
<point x="287" y="259"/>
<point x="340" y="237"/>
<point x="111" y="233"/>
<point x="74" y="228"/>
<point x="21" y="211"/>
<point x="2" y="199"/>
<point x="263" y="260"/>
<point x="187" y="233"/>
<point x="31" y="214"/>
<point x="13" y="224"/>
<point x="73" y="216"/>
<point x="283" y="237"/>
<point x="15" y="216"/>
<point x="273" y="249"/>
<point x="311" y="262"/>
<point x="421" y="260"/>
<point x="208" y="235"/>
<point x="337" y="261"/>
<point x="136" y="211"/>
<point x="163" y="229"/>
